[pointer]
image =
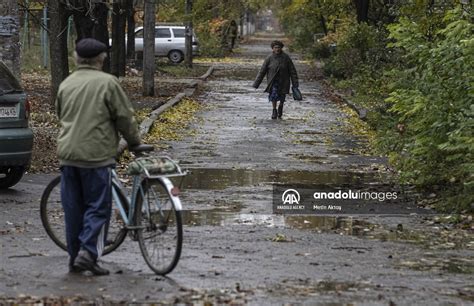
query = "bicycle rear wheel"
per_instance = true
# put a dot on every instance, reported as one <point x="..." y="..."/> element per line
<point x="161" y="234"/>
<point x="52" y="217"/>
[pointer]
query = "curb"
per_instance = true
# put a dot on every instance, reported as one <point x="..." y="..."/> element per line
<point x="361" y="112"/>
<point x="146" y="124"/>
<point x="207" y="74"/>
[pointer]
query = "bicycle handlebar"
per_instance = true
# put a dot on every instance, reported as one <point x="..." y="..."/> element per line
<point x="142" y="148"/>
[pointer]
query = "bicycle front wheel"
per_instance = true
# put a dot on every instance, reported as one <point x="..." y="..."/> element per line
<point x="160" y="232"/>
<point x="52" y="217"/>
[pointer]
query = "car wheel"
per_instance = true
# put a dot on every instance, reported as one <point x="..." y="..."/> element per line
<point x="176" y="56"/>
<point x="10" y="176"/>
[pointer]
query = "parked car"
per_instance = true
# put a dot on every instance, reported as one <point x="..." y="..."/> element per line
<point x="169" y="42"/>
<point x="16" y="138"/>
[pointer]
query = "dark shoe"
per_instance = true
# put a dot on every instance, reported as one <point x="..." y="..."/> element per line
<point x="280" y="111"/>
<point x="274" y="114"/>
<point x="74" y="269"/>
<point x="85" y="262"/>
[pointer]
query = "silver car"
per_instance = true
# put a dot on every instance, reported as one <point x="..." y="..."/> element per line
<point x="169" y="41"/>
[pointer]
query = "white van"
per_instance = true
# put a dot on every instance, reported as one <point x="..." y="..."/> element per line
<point x="169" y="41"/>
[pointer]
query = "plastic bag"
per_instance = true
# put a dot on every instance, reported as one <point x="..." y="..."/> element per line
<point x="296" y="94"/>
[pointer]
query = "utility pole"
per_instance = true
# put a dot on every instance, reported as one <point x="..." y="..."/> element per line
<point x="188" y="40"/>
<point x="149" y="49"/>
<point x="10" y="35"/>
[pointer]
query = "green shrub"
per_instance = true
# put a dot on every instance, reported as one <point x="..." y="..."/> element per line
<point x="321" y="50"/>
<point x="433" y="99"/>
<point x="324" y="47"/>
<point x="356" y="46"/>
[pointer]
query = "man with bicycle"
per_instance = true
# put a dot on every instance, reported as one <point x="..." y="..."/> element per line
<point x="93" y="109"/>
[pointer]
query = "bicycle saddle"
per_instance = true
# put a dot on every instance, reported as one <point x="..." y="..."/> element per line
<point x="142" y="148"/>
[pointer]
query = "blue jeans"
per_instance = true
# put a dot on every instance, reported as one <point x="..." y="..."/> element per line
<point x="86" y="196"/>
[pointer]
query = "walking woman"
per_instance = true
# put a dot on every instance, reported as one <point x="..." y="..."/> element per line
<point x="279" y="69"/>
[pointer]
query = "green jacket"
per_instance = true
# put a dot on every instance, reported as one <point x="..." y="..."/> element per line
<point x="279" y="65"/>
<point x="93" y="108"/>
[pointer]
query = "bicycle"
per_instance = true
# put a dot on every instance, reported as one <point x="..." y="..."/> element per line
<point x="152" y="213"/>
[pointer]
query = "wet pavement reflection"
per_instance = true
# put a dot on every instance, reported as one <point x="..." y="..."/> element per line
<point x="224" y="217"/>
<point x="218" y="179"/>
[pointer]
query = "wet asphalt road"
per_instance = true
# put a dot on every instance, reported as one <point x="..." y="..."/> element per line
<point x="231" y="251"/>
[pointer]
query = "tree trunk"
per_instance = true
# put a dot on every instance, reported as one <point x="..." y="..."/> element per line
<point x="323" y="24"/>
<point x="118" y="39"/>
<point x="10" y="35"/>
<point x="130" y="30"/>
<point x="188" y="40"/>
<point x="100" y="30"/>
<point x="83" y="24"/>
<point x="58" y="20"/>
<point x="362" y="8"/>
<point x="149" y="49"/>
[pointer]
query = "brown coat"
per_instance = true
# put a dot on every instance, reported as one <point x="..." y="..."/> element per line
<point x="282" y="65"/>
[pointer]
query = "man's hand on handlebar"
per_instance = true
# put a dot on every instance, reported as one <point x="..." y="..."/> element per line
<point x="140" y="148"/>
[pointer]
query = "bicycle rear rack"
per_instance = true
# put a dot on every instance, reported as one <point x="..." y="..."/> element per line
<point x="179" y="172"/>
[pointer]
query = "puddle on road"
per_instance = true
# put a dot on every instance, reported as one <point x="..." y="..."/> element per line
<point x="310" y="142"/>
<point x="232" y="216"/>
<point x="317" y="159"/>
<point x="219" y="179"/>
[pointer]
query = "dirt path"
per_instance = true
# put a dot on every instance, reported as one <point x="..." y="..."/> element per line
<point x="236" y="250"/>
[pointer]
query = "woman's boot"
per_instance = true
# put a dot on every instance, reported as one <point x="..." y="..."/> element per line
<point x="274" y="114"/>
<point x="280" y="110"/>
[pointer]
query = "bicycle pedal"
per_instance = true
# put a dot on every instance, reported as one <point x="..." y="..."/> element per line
<point x="133" y="236"/>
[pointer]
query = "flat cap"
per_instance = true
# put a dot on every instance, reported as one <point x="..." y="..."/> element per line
<point x="90" y="47"/>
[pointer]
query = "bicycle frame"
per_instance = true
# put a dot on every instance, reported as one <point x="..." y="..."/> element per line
<point x="137" y="187"/>
<point x="151" y="210"/>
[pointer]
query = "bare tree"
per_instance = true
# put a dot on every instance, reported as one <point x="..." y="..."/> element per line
<point x="100" y="30"/>
<point x="58" y="52"/>
<point x="188" y="41"/>
<point x="118" y="38"/>
<point x="149" y="48"/>
<point x="130" y="29"/>
<point x="10" y="35"/>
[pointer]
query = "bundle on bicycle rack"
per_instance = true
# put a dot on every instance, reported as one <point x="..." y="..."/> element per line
<point x="153" y="166"/>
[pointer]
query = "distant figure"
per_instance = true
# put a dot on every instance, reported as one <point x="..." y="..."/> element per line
<point x="232" y="32"/>
<point x="279" y="69"/>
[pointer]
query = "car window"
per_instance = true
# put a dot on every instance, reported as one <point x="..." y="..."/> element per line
<point x="162" y="33"/>
<point x="139" y="34"/>
<point x="178" y="32"/>
<point x="8" y="82"/>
